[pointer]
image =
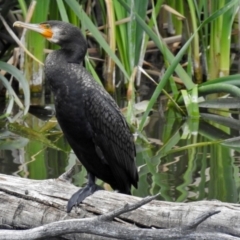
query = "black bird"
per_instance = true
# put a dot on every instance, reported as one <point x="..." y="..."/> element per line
<point x="90" y="119"/>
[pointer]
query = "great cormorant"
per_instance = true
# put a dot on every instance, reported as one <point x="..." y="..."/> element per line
<point x="90" y="119"/>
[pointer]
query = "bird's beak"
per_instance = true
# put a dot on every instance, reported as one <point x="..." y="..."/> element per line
<point x="40" y="28"/>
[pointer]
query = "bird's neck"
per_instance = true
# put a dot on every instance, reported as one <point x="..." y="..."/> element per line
<point x="73" y="52"/>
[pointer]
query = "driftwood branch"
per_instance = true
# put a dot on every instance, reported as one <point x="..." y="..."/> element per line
<point x="198" y="220"/>
<point x="103" y="227"/>
<point x="126" y="208"/>
<point x="38" y="208"/>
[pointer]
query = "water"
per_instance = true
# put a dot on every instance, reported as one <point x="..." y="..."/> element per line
<point x="180" y="158"/>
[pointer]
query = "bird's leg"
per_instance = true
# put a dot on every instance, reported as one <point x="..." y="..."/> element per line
<point x="84" y="192"/>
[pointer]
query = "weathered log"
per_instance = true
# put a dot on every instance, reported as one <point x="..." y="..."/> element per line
<point x="26" y="204"/>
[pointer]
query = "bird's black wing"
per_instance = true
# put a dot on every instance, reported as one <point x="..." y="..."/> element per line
<point x="111" y="135"/>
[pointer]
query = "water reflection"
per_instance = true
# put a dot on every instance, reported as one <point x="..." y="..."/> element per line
<point x="184" y="159"/>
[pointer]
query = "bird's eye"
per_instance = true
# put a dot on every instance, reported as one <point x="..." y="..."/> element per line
<point x="45" y="26"/>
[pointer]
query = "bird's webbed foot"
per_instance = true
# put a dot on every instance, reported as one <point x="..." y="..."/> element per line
<point x="81" y="194"/>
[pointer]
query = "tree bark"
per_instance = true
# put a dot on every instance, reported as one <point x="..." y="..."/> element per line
<point x="26" y="204"/>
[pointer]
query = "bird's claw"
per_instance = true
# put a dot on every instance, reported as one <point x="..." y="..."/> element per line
<point x="80" y="195"/>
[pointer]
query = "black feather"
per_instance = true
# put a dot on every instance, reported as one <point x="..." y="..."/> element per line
<point x="89" y="117"/>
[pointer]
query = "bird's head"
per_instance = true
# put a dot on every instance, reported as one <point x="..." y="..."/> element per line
<point x="54" y="31"/>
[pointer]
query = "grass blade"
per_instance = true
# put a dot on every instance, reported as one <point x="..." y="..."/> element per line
<point x="62" y="11"/>
<point x="19" y="76"/>
<point x="73" y="4"/>
<point x="159" y="43"/>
